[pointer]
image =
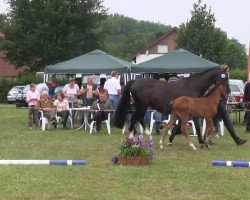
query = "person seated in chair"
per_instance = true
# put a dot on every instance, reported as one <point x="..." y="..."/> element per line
<point x="62" y="108"/>
<point x="46" y="105"/>
<point x="102" y="105"/>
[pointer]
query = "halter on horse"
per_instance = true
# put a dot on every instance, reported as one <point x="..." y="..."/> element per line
<point x="157" y="95"/>
<point x="206" y="107"/>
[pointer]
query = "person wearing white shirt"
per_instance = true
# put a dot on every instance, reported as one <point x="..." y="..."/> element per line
<point x="114" y="88"/>
<point x="71" y="92"/>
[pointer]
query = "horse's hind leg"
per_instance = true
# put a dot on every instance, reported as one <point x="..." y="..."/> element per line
<point x="184" y="130"/>
<point x="198" y="130"/>
<point x="166" y="128"/>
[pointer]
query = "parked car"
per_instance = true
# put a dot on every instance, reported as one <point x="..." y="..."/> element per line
<point x="22" y="96"/>
<point x="11" y="96"/>
<point x="240" y="83"/>
<point x="236" y="95"/>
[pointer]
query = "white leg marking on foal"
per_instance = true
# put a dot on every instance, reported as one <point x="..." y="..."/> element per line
<point x="161" y="144"/>
<point x="192" y="145"/>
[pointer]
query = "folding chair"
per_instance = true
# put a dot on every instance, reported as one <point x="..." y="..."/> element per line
<point x="43" y="121"/>
<point x="152" y="121"/>
<point x="58" y="120"/>
<point x="93" y="123"/>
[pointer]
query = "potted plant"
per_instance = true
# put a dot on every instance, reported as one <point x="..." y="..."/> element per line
<point x="133" y="151"/>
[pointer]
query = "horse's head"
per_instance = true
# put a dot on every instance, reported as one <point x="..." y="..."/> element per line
<point x="223" y="79"/>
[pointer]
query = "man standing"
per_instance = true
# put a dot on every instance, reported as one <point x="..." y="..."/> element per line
<point x="101" y="105"/>
<point x="114" y="88"/>
<point x="247" y="102"/>
<point x="89" y="91"/>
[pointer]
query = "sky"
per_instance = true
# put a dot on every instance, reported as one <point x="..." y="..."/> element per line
<point x="231" y="16"/>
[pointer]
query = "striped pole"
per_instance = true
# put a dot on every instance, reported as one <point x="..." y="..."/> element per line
<point x="43" y="162"/>
<point x="230" y="163"/>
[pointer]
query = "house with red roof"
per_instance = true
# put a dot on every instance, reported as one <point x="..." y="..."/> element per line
<point x="164" y="44"/>
<point x="6" y="69"/>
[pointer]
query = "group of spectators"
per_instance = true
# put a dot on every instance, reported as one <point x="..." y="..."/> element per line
<point x="99" y="98"/>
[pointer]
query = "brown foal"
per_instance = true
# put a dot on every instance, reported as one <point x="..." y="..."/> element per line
<point x="206" y="107"/>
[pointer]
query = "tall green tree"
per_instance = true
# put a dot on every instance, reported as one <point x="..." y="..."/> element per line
<point x="45" y="32"/>
<point x="4" y="23"/>
<point x="196" y="35"/>
<point x="200" y="36"/>
<point x="235" y="54"/>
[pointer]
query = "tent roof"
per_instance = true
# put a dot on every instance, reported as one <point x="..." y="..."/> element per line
<point x="180" y="61"/>
<point x="95" y="61"/>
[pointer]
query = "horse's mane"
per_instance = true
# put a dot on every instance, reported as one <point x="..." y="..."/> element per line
<point x="205" y="71"/>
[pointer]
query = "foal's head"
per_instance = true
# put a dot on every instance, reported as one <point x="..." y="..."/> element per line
<point x="223" y="91"/>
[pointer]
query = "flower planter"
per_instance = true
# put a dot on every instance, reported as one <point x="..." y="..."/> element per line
<point x="133" y="161"/>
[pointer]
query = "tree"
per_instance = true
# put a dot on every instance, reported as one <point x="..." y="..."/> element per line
<point x="4" y="23"/>
<point x="235" y="54"/>
<point x="44" y="32"/>
<point x="196" y="35"/>
<point x="200" y="36"/>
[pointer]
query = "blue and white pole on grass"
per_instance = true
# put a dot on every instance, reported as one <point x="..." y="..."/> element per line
<point x="43" y="162"/>
<point x="230" y="163"/>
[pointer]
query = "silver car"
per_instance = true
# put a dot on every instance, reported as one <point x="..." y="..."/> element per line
<point x="11" y="96"/>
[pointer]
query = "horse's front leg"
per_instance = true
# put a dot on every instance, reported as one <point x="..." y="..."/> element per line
<point x="184" y="130"/>
<point x="145" y="128"/>
<point x="209" y="130"/>
<point x="166" y="128"/>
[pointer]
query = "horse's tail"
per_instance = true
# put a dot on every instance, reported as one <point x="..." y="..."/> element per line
<point x="123" y="106"/>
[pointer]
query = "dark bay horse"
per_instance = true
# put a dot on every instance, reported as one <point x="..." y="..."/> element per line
<point x="157" y="94"/>
<point x="183" y="107"/>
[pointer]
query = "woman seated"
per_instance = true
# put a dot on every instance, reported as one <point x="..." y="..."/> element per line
<point x="62" y="108"/>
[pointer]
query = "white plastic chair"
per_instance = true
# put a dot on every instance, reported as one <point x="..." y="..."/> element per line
<point x="221" y="124"/>
<point x="152" y="121"/>
<point x="43" y="121"/>
<point x="58" y="119"/>
<point x="107" y="122"/>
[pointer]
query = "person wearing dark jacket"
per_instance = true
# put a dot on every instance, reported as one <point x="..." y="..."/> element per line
<point x="102" y="105"/>
<point x="246" y="99"/>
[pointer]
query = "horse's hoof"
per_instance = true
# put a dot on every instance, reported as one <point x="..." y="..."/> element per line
<point x="161" y="146"/>
<point x="208" y="146"/>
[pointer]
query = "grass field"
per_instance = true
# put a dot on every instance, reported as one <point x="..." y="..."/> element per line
<point x="175" y="173"/>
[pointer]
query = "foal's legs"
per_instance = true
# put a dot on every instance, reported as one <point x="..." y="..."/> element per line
<point x="209" y="130"/>
<point x="184" y="130"/>
<point x="166" y="128"/>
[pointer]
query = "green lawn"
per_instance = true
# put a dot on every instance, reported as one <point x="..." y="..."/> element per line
<point x="176" y="173"/>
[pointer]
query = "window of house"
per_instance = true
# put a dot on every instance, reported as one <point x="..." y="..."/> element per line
<point x="162" y="48"/>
